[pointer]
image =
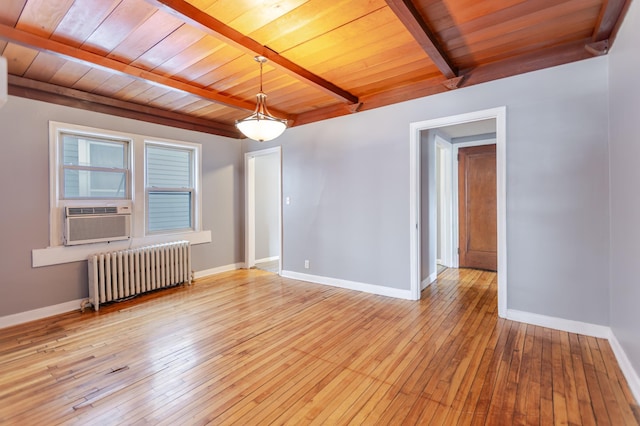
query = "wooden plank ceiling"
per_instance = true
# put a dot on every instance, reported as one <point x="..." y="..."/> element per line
<point x="190" y="64"/>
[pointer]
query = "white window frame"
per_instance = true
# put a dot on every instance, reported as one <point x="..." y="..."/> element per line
<point x="100" y="140"/>
<point x="57" y="253"/>
<point x="194" y="150"/>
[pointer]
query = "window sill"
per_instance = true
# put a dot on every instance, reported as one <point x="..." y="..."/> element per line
<point x="63" y="254"/>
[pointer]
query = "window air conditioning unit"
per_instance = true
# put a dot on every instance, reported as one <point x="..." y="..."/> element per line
<point x="84" y="225"/>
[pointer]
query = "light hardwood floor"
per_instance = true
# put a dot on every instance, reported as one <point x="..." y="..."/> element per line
<point x="251" y="348"/>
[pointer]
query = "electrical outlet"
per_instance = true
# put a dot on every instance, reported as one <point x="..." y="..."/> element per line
<point x="306" y="264"/>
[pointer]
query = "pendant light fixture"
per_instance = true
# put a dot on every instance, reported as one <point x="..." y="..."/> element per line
<point x="261" y="126"/>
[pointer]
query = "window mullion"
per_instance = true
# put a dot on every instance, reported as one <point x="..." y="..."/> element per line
<point x="160" y="189"/>
<point x="94" y="168"/>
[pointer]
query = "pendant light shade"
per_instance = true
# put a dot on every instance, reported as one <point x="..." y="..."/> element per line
<point x="261" y="126"/>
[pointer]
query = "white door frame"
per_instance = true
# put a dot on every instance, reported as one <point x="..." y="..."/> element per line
<point x="500" y="115"/>
<point x="446" y="205"/>
<point x="250" y="204"/>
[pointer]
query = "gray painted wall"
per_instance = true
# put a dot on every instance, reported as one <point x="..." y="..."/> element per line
<point x="624" y="132"/>
<point x="348" y="179"/>
<point x="24" y="217"/>
<point x="267" y="188"/>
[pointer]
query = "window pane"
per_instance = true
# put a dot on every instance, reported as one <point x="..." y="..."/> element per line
<point x="169" y="211"/>
<point x="168" y="167"/>
<point x="94" y="184"/>
<point x="94" y="152"/>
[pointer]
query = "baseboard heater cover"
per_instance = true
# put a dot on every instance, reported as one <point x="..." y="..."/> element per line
<point x="123" y="274"/>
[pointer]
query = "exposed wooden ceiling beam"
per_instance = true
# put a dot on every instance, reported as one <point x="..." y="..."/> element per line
<point x="31" y="89"/>
<point x="609" y="17"/>
<point x="319" y="114"/>
<point x="424" y="88"/>
<point x="558" y="55"/>
<point x="414" y="22"/>
<point x="194" y="16"/>
<point x="42" y="44"/>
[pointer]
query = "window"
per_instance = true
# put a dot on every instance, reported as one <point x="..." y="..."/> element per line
<point x="170" y="188"/>
<point x="158" y="180"/>
<point x="94" y="168"/>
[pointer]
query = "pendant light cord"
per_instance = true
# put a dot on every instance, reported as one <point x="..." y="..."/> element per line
<point x="261" y="63"/>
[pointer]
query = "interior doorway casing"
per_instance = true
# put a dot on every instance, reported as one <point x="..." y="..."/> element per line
<point x="445" y="203"/>
<point x="416" y="129"/>
<point x="250" y="204"/>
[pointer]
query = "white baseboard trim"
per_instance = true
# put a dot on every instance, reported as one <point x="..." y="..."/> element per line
<point x="36" y="314"/>
<point x="633" y="379"/>
<point x="428" y="281"/>
<point x="349" y="285"/>
<point x="268" y="259"/>
<point x="425" y="283"/>
<point x="561" y="324"/>
<point x="218" y="270"/>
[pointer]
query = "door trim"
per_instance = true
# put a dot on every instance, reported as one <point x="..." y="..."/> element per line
<point x="249" y="203"/>
<point x="499" y="114"/>
<point x="445" y="215"/>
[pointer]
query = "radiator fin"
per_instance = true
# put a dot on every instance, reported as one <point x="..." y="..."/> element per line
<point x="126" y="273"/>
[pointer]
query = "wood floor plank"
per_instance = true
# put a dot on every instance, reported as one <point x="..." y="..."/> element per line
<point x="495" y="375"/>
<point x="496" y="405"/>
<point x="622" y="393"/>
<point x="250" y="347"/>
<point x="523" y="381"/>
<point x="560" y="415"/>
<point x="571" y="394"/>
<point x="595" y="393"/>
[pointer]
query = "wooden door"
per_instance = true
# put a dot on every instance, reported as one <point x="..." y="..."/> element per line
<point x="477" y="204"/>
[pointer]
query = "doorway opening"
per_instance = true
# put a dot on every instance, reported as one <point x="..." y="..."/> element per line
<point x="263" y="214"/>
<point x="434" y="179"/>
